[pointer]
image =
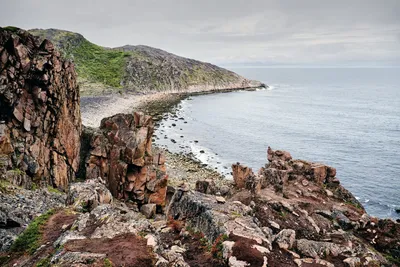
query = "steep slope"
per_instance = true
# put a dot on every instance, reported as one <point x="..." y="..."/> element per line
<point x="139" y="68"/>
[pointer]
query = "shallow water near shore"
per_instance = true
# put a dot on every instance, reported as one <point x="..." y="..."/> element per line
<point x="347" y="118"/>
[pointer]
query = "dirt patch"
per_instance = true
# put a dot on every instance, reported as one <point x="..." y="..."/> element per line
<point x="57" y="224"/>
<point x="124" y="250"/>
<point x="243" y="250"/>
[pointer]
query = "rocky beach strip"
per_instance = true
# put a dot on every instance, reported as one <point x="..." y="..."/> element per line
<point x="128" y="209"/>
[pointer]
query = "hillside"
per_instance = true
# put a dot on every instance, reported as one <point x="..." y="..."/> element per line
<point x="138" y="68"/>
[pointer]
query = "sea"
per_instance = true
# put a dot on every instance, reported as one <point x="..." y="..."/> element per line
<point x="348" y="118"/>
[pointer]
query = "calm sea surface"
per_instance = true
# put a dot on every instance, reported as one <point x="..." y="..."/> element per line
<point x="348" y="118"/>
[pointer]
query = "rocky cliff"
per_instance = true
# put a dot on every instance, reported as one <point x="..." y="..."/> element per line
<point x="139" y="68"/>
<point x="120" y="152"/>
<point x="40" y="122"/>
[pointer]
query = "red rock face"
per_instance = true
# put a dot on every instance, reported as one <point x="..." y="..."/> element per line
<point x="241" y="174"/>
<point x="39" y="109"/>
<point x="120" y="153"/>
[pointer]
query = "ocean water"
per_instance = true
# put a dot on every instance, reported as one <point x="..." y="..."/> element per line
<point x="348" y="118"/>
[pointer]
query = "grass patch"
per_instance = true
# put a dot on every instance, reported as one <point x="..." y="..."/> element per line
<point x="4" y="186"/>
<point x="45" y="262"/>
<point x="107" y="263"/>
<point x="53" y="190"/>
<point x="93" y="63"/>
<point x="29" y="240"/>
<point x="98" y="64"/>
<point x="11" y="28"/>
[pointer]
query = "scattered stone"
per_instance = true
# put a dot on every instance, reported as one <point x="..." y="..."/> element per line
<point x="206" y="186"/>
<point x="352" y="262"/>
<point x="220" y="199"/>
<point x="274" y="225"/>
<point x="151" y="240"/>
<point x="304" y="182"/>
<point x="88" y="195"/>
<point x="233" y="262"/>
<point x="148" y="210"/>
<point x="285" y="238"/>
<point x="329" y="193"/>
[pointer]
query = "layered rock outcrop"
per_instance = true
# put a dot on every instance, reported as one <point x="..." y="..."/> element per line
<point x="291" y="213"/>
<point x="40" y="123"/>
<point x="120" y="153"/>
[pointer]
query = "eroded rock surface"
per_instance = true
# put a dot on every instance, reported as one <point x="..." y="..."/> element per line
<point x="292" y="213"/>
<point x="40" y="123"/>
<point x="120" y="153"/>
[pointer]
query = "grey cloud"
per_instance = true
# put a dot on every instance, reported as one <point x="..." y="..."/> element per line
<point x="228" y="31"/>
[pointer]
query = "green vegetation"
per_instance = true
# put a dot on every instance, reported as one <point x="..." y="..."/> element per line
<point x="98" y="64"/>
<point x="29" y="240"/>
<point x="93" y="63"/>
<point x="11" y="28"/>
<point x="45" y="262"/>
<point x="136" y="68"/>
<point x="53" y="190"/>
<point x="107" y="263"/>
<point x="217" y="247"/>
<point x="4" y="186"/>
<point x="391" y="259"/>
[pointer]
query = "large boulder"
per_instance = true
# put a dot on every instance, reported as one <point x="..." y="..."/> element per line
<point x="120" y="153"/>
<point x="88" y="195"/>
<point x="40" y="122"/>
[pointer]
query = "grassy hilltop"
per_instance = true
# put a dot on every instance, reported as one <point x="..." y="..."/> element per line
<point x="137" y="68"/>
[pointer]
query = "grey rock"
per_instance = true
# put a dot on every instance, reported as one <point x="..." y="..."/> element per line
<point x="316" y="249"/>
<point x="285" y="238"/>
<point x="343" y="221"/>
<point x="88" y="195"/>
<point x="149" y="210"/>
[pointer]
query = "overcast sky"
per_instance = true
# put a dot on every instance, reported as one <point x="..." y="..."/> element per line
<point x="318" y="32"/>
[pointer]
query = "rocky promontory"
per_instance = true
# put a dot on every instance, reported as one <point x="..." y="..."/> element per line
<point x="139" y="69"/>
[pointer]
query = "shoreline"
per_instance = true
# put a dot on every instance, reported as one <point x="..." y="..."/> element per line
<point x="182" y="167"/>
<point x="156" y="104"/>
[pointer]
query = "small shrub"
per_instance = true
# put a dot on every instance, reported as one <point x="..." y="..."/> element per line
<point x="53" y="190"/>
<point x="45" y="262"/>
<point x="107" y="263"/>
<point x="29" y="240"/>
<point x="4" y="186"/>
<point x="217" y="247"/>
<point x="175" y="225"/>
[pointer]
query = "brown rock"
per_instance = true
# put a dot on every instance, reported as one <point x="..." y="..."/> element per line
<point x="148" y="210"/>
<point x="119" y="154"/>
<point x="206" y="186"/>
<point x="241" y="174"/>
<point x="43" y="104"/>
<point x="319" y="172"/>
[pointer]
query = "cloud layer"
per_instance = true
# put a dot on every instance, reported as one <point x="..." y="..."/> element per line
<point x="352" y="32"/>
